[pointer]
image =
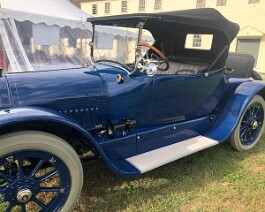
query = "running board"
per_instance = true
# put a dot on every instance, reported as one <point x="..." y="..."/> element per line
<point x="158" y="157"/>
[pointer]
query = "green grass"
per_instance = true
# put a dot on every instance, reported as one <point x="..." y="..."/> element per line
<point x="216" y="179"/>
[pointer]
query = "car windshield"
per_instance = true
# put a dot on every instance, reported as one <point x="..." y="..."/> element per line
<point x="119" y="44"/>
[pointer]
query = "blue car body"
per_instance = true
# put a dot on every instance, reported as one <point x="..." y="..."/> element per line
<point x="84" y="99"/>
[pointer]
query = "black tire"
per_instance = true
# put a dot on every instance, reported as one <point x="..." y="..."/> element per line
<point x="47" y="150"/>
<point x="255" y="75"/>
<point x="251" y="125"/>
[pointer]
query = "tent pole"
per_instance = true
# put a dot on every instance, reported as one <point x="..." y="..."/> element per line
<point x="81" y="47"/>
<point x="4" y="60"/>
<point x="9" y="51"/>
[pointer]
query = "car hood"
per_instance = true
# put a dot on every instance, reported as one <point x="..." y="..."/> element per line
<point x="34" y="88"/>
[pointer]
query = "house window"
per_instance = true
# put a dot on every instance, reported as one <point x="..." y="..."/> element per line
<point x="124" y="6"/>
<point x="253" y="1"/>
<point x="158" y="5"/>
<point x="200" y="4"/>
<point x="221" y="3"/>
<point x="197" y="40"/>
<point x="94" y="9"/>
<point x="141" y="5"/>
<point x="107" y="8"/>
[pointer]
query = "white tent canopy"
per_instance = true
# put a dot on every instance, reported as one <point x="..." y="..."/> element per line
<point x="42" y="34"/>
<point x="50" y="12"/>
<point x="54" y="34"/>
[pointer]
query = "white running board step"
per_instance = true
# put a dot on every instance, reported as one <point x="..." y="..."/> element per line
<point x="158" y="157"/>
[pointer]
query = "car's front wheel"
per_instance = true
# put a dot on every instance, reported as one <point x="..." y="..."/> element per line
<point x="38" y="172"/>
<point x="250" y="126"/>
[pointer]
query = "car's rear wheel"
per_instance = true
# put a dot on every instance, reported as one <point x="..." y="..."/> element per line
<point x="250" y="126"/>
<point x="38" y="172"/>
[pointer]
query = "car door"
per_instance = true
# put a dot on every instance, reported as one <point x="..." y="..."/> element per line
<point x="180" y="97"/>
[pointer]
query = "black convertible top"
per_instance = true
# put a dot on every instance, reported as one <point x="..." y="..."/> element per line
<point x="205" y="18"/>
<point x="172" y="28"/>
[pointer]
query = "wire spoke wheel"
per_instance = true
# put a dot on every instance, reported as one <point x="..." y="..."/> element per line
<point x="38" y="175"/>
<point x="250" y="126"/>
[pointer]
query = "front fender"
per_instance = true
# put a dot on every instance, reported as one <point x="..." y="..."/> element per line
<point x="234" y="107"/>
<point x="22" y="115"/>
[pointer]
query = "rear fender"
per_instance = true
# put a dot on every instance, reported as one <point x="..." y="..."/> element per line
<point x="234" y="107"/>
<point x="10" y="117"/>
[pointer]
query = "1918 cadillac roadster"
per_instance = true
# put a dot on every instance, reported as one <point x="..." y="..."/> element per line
<point x="155" y="99"/>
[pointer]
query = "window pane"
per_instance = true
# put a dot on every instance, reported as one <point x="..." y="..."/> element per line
<point x="253" y="1"/>
<point x="200" y="4"/>
<point x="199" y="41"/>
<point x="124" y="6"/>
<point x="107" y="8"/>
<point x="141" y="5"/>
<point x="221" y="3"/>
<point x="158" y="5"/>
<point x="94" y="9"/>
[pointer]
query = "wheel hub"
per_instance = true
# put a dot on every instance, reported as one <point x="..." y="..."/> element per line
<point x="24" y="195"/>
<point x="255" y="125"/>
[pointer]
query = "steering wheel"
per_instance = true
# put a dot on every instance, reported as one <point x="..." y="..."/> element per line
<point x="161" y="55"/>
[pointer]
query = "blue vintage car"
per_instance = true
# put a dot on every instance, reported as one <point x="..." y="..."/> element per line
<point x="155" y="92"/>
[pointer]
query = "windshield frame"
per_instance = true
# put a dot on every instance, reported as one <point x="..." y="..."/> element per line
<point x="137" y="58"/>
